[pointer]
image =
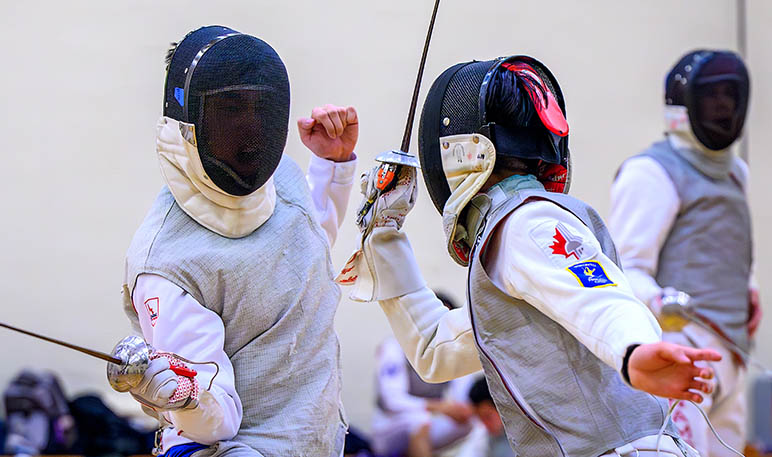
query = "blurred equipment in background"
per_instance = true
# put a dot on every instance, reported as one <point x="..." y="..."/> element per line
<point x="40" y="420"/>
<point x="761" y="414"/>
<point x="102" y="432"/>
<point x="38" y="417"/>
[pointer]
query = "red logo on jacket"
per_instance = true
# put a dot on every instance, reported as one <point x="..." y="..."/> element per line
<point x="565" y="243"/>
<point x="152" y="305"/>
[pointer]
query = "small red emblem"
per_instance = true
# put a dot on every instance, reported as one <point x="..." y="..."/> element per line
<point x="152" y="306"/>
<point x="565" y="244"/>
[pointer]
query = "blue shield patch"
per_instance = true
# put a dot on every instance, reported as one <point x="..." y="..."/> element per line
<point x="590" y="274"/>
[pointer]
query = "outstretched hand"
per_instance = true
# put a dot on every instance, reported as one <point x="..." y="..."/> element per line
<point x="331" y="132"/>
<point x="668" y="370"/>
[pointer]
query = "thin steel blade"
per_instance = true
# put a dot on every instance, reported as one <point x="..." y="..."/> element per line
<point x="91" y="352"/>
<point x="417" y="88"/>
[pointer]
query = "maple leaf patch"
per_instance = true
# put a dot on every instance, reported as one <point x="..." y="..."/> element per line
<point x="566" y="244"/>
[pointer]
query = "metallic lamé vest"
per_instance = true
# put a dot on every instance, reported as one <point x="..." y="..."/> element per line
<point x="708" y="252"/>
<point x="275" y="293"/>
<point x="556" y="398"/>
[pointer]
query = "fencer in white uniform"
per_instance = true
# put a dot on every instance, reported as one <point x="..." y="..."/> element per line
<point x="550" y="316"/>
<point x="672" y="201"/>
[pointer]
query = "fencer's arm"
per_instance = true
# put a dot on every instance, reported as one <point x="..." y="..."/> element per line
<point x="183" y="326"/>
<point x="607" y="320"/>
<point x="438" y="342"/>
<point x="330" y="184"/>
<point x="393" y="382"/>
<point x="644" y="206"/>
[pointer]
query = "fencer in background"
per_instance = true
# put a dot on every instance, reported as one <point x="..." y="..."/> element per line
<point x="560" y="334"/>
<point x="232" y="264"/>
<point x="412" y="417"/>
<point x="492" y="441"/>
<point x="681" y="221"/>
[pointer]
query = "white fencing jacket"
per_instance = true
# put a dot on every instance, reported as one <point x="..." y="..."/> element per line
<point x="440" y="344"/>
<point x="186" y="327"/>
<point x="640" y="224"/>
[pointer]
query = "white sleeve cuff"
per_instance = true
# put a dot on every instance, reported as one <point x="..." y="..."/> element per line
<point x="340" y="172"/>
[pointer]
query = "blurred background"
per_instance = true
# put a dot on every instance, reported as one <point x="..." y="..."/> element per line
<point x="82" y="87"/>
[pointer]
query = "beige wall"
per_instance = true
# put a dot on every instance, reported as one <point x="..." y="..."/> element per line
<point x="81" y="92"/>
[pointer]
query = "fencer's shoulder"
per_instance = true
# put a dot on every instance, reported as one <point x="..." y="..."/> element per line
<point x="290" y="182"/>
<point x="151" y="225"/>
<point x="640" y="165"/>
<point x="288" y="171"/>
<point x="538" y="212"/>
<point x="642" y="171"/>
<point x="741" y="171"/>
<point x="557" y="232"/>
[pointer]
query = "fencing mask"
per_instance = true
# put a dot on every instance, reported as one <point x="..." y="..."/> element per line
<point x="714" y="88"/>
<point x="230" y="93"/>
<point x="480" y="113"/>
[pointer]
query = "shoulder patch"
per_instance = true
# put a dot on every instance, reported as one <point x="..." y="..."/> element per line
<point x="562" y="244"/>
<point x="590" y="274"/>
<point x="152" y="306"/>
<point x="566" y="243"/>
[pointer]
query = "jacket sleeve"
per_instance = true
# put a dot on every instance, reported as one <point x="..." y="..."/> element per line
<point x="640" y="224"/>
<point x="549" y="258"/>
<point x="439" y="343"/>
<point x="173" y="321"/>
<point x="330" y="184"/>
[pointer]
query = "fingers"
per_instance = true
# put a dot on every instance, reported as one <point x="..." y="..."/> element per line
<point x="351" y="116"/>
<point x="164" y="387"/>
<point x="306" y="124"/>
<point x="158" y="383"/>
<point x="155" y="367"/>
<point x="702" y="386"/>
<point x="673" y="353"/>
<point x="702" y="354"/>
<point x="334" y="119"/>
<point x="686" y="395"/>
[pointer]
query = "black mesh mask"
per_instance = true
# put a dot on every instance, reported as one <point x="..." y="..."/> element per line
<point x="233" y="88"/>
<point x="714" y="86"/>
<point x="467" y="99"/>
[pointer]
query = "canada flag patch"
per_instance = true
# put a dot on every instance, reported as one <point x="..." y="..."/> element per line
<point x="566" y="244"/>
<point x="152" y="305"/>
<point x="590" y="274"/>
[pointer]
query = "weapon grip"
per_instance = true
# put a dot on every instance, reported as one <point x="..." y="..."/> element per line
<point x="184" y="371"/>
<point x="385" y="177"/>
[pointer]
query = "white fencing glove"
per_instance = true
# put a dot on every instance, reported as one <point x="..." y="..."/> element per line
<point x="383" y="266"/>
<point x="161" y="389"/>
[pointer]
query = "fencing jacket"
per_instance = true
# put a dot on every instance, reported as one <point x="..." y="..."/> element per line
<point x="538" y="255"/>
<point x="694" y="236"/>
<point x="174" y="316"/>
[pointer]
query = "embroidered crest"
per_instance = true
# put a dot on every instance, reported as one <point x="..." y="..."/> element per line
<point x="590" y="274"/>
<point x="152" y="306"/>
<point x="566" y="244"/>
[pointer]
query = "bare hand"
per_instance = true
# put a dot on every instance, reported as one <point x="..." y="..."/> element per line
<point x="754" y="316"/>
<point x="668" y="370"/>
<point x="331" y="132"/>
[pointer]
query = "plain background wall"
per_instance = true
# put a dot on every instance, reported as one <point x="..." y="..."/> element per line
<point x="82" y="88"/>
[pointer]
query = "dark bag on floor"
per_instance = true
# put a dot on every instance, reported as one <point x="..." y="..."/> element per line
<point x="38" y="418"/>
<point x="102" y="432"/>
